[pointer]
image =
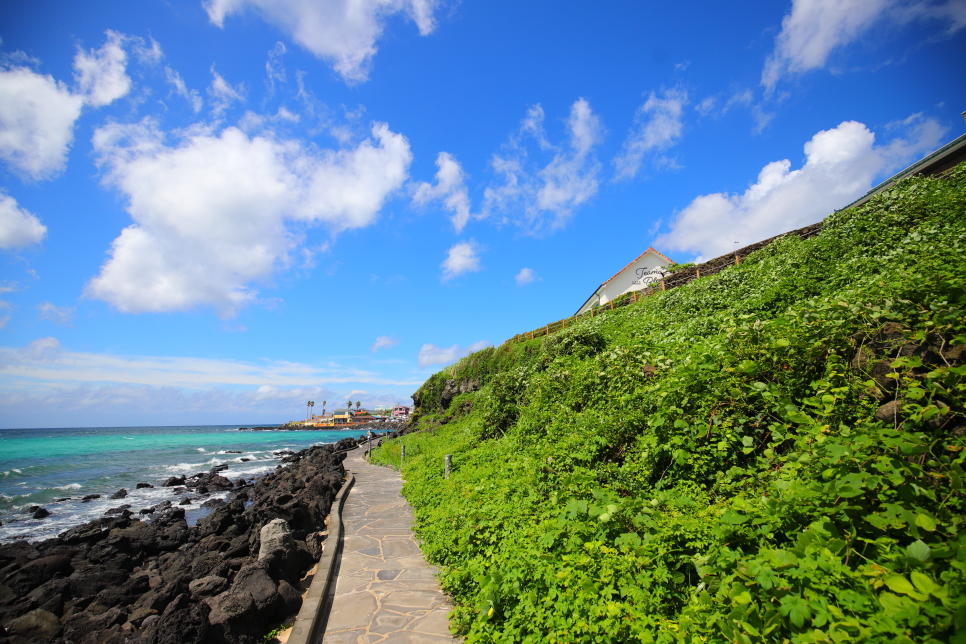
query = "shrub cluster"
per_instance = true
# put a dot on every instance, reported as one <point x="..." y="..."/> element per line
<point x="774" y="453"/>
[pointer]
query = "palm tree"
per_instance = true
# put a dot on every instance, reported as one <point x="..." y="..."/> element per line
<point x="323" y="406"/>
<point x="307" y="405"/>
<point x="358" y="404"/>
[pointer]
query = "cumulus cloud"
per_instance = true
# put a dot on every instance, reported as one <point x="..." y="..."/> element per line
<point x="548" y="195"/>
<point x="37" y="112"/>
<point x="461" y="258"/>
<point x="450" y="188"/>
<point x="62" y="315"/>
<point x="658" y="125"/>
<point x="101" y="75"/>
<point x="815" y="28"/>
<point x="217" y="211"/>
<point x="430" y="354"/>
<point x="37" y="115"/>
<point x="525" y="276"/>
<point x="341" y="32"/>
<point x="383" y="342"/>
<point x="840" y="166"/>
<point x="18" y="227"/>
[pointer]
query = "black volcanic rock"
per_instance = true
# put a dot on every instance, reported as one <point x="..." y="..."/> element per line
<point x="122" y="579"/>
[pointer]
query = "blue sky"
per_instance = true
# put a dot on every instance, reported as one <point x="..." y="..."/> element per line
<point x="212" y="211"/>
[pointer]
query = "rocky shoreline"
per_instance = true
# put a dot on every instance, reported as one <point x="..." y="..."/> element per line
<point x="153" y="579"/>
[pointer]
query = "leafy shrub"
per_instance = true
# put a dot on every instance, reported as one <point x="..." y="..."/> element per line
<point x="774" y="453"/>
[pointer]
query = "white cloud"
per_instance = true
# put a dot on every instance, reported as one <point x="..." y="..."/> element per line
<point x="383" y="342"/>
<point x="462" y="258"/>
<point x="658" y="125"/>
<point x="223" y="94"/>
<point x="840" y="167"/>
<point x="63" y="315"/>
<point x="274" y="69"/>
<point x="100" y="74"/>
<point x="430" y="354"/>
<point x="526" y="276"/>
<point x="18" y="227"/>
<point x="547" y="196"/>
<point x="191" y="95"/>
<point x="218" y="211"/>
<point x="147" y="54"/>
<point x="37" y="113"/>
<point x="450" y="188"/>
<point x="814" y="28"/>
<point x="122" y="404"/>
<point x="341" y="32"/>
<point x="46" y="363"/>
<point x="6" y="287"/>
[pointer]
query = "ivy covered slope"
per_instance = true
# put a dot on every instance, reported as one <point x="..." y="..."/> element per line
<point x="771" y="454"/>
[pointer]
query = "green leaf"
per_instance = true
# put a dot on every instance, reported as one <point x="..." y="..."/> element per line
<point x="748" y="366"/>
<point x="919" y="550"/>
<point x="734" y="518"/>
<point x="923" y="583"/>
<point x="899" y="584"/>
<point x="926" y="522"/>
<point x="760" y="386"/>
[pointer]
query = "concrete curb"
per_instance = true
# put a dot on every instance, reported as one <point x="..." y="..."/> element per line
<point x="308" y="626"/>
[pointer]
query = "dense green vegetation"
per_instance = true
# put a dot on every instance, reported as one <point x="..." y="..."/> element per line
<point x="707" y="465"/>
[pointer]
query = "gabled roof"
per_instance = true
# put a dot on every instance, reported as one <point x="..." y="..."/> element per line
<point x="650" y="249"/>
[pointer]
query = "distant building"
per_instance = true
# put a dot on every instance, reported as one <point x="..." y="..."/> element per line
<point x="650" y="267"/>
<point x="400" y="411"/>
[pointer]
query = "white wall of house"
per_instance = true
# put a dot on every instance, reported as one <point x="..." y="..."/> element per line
<point x="647" y="269"/>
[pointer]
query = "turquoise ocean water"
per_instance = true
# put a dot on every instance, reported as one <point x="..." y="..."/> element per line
<point x="55" y="468"/>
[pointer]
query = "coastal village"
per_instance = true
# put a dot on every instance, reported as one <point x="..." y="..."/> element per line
<point x="346" y="417"/>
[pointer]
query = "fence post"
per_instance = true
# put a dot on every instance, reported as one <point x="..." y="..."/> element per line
<point x="699" y="274"/>
<point x="663" y="287"/>
<point x="737" y="259"/>
<point x="402" y="456"/>
<point x="448" y="464"/>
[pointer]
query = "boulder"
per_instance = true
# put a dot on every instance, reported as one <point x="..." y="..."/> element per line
<point x="275" y="535"/>
<point x="90" y="497"/>
<point x="85" y="627"/>
<point x="141" y="486"/>
<point x="207" y="586"/>
<point x="35" y="624"/>
<point x="38" y="571"/>
<point x="120" y="494"/>
<point x="889" y="413"/>
<point x="291" y="599"/>
<point x="173" y="481"/>
<point x="41" y="513"/>
<point x="234" y="617"/>
<point x="254" y="580"/>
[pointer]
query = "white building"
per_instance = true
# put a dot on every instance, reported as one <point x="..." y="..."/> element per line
<point x="648" y="268"/>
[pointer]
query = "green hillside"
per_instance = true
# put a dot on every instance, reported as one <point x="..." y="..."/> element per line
<point x="770" y="454"/>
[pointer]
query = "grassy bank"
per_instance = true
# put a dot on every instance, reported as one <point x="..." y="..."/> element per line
<point x="773" y="453"/>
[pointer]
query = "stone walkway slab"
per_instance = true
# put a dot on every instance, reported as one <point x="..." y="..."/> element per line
<point x="384" y="591"/>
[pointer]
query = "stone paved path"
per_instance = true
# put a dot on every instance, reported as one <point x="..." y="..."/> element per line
<point x="385" y="592"/>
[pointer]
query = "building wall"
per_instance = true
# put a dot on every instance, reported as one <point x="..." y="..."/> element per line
<point x="635" y="277"/>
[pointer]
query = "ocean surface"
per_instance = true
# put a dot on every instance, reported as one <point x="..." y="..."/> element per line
<point x="55" y="468"/>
